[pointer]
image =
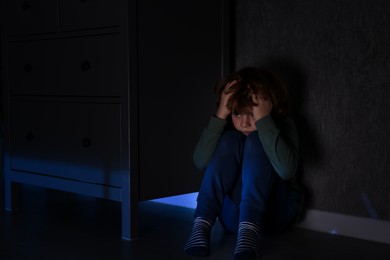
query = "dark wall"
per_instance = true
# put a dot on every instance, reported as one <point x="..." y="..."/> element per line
<point x="1" y="118"/>
<point x="335" y="58"/>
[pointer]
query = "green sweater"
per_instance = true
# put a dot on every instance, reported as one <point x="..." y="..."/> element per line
<point x="280" y="143"/>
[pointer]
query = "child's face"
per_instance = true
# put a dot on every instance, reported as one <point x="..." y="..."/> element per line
<point x="244" y="122"/>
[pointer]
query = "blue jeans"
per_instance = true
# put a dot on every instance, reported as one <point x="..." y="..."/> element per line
<point x="240" y="184"/>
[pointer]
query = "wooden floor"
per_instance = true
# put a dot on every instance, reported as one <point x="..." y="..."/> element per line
<point x="57" y="225"/>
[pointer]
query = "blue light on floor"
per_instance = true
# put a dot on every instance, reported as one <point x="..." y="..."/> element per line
<point x="185" y="200"/>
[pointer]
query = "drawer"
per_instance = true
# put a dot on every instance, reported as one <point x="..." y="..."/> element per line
<point x="33" y="67"/>
<point x="79" y="141"/>
<point x="93" y="66"/>
<point x="89" y="14"/>
<point x="27" y="17"/>
<point x="85" y="66"/>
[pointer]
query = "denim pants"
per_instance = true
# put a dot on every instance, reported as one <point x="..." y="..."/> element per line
<point x="240" y="184"/>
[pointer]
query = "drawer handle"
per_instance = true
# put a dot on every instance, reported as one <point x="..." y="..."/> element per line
<point x="30" y="137"/>
<point x="86" y="65"/>
<point x="28" y="67"/>
<point x="87" y="142"/>
<point x="26" y="5"/>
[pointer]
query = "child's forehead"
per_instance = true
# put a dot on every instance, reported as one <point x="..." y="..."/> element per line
<point x="243" y="110"/>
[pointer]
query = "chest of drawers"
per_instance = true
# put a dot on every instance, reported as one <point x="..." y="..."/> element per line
<point x="92" y="91"/>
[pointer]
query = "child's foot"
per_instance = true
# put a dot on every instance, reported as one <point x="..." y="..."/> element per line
<point x="247" y="241"/>
<point x="198" y="243"/>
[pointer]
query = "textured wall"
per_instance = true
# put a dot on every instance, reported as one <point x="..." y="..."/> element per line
<point x="335" y="57"/>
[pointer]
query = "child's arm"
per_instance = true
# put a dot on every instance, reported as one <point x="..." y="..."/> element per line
<point x="208" y="141"/>
<point x="280" y="145"/>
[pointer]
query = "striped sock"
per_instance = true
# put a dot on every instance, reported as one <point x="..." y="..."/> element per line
<point x="247" y="241"/>
<point x="198" y="243"/>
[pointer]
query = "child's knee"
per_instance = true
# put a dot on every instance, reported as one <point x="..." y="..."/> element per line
<point x="253" y="142"/>
<point x="231" y="139"/>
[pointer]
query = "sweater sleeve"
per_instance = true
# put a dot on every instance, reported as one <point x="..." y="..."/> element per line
<point x="280" y="145"/>
<point x="208" y="141"/>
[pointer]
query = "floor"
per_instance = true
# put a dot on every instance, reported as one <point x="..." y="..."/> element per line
<point x="59" y="225"/>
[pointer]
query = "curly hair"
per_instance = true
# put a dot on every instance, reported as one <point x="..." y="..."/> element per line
<point x="250" y="81"/>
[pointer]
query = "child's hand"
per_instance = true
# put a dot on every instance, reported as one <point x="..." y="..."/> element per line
<point x="223" y="112"/>
<point x="263" y="108"/>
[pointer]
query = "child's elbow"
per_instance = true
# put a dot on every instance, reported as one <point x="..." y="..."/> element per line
<point x="287" y="173"/>
<point x="199" y="164"/>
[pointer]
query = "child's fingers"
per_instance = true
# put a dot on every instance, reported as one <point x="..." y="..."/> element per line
<point x="229" y="87"/>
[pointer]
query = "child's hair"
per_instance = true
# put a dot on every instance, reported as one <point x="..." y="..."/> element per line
<point x="251" y="80"/>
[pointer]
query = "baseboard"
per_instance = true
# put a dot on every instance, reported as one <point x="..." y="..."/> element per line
<point x="351" y="226"/>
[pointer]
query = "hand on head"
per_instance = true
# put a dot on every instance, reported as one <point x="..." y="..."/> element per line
<point x="223" y="112"/>
<point x="251" y="91"/>
<point x="263" y="108"/>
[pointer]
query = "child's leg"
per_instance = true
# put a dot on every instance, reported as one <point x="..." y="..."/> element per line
<point x="220" y="175"/>
<point x="258" y="178"/>
<point x="230" y="214"/>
